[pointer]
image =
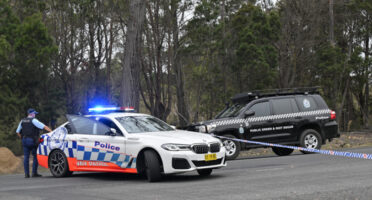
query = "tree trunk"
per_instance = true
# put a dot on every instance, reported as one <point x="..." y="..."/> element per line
<point x="366" y="88"/>
<point x="108" y="62"/>
<point x="183" y="114"/>
<point x="331" y="23"/>
<point x="129" y="91"/>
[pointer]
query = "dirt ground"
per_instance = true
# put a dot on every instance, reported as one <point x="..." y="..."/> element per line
<point x="11" y="164"/>
<point x="8" y="161"/>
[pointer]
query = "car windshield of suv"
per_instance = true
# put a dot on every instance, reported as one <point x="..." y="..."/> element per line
<point x="141" y="124"/>
<point x="232" y="111"/>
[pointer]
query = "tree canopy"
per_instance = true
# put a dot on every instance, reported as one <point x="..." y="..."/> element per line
<point x="179" y="60"/>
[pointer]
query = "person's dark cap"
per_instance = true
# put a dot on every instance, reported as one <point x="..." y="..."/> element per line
<point x="31" y="111"/>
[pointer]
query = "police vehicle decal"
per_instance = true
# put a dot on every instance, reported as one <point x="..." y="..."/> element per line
<point x="306" y="103"/>
<point x="96" y="154"/>
<point x="57" y="139"/>
<point x="271" y="117"/>
<point x="85" y="153"/>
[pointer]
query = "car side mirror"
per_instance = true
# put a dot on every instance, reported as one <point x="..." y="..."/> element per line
<point x="112" y="132"/>
<point x="249" y="113"/>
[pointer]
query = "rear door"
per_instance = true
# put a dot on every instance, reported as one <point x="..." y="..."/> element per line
<point x="285" y="119"/>
<point x="97" y="149"/>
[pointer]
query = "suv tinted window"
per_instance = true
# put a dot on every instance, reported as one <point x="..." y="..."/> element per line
<point x="261" y="109"/>
<point x="320" y="102"/>
<point x="282" y="106"/>
<point x="306" y="103"/>
<point x="232" y="111"/>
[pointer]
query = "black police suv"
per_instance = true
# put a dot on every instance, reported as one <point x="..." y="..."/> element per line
<point x="297" y="116"/>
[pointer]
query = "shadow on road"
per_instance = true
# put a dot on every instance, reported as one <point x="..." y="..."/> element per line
<point x="139" y="178"/>
<point x="269" y="156"/>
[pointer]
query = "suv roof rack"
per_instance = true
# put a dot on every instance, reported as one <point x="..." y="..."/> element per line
<point x="249" y="96"/>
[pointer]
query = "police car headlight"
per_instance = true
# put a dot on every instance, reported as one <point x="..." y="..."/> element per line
<point x="211" y="128"/>
<point x="176" y="147"/>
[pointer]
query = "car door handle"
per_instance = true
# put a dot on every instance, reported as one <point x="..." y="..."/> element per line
<point x="83" y="139"/>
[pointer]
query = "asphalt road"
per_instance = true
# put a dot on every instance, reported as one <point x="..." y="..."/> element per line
<point x="292" y="177"/>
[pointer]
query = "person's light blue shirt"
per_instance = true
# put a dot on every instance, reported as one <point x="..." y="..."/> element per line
<point x="35" y="122"/>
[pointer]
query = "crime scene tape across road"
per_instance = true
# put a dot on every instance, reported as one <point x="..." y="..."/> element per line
<point x="325" y="152"/>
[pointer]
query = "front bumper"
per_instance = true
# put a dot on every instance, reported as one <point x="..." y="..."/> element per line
<point x="190" y="161"/>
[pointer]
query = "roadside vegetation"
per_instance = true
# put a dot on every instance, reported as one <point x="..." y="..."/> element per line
<point x="179" y="60"/>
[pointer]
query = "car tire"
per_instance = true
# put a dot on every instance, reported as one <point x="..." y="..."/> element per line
<point x="58" y="164"/>
<point x="152" y="164"/>
<point x="204" y="172"/>
<point x="311" y="139"/>
<point x="282" y="151"/>
<point x="232" y="147"/>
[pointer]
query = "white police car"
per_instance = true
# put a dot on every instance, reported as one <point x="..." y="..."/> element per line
<point x="128" y="142"/>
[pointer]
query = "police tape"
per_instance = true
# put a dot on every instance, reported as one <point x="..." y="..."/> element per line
<point x="325" y="152"/>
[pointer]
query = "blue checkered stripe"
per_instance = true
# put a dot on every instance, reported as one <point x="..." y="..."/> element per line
<point x="95" y="154"/>
<point x="72" y="150"/>
<point x="69" y="148"/>
<point x="272" y="117"/>
<point x="43" y="147"/>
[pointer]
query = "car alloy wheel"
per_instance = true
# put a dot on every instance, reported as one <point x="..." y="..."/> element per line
<point x="311" y="141"/>
<point x="232" y="147"/>
<point x="58" y="164"/>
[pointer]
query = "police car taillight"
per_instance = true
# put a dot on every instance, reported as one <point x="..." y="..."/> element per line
<point x="100" y="109"/>
<point x="333" y="115"/>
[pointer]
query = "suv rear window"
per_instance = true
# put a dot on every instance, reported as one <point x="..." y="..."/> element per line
<point x="282" y="106"/>
<point x="306" y="103"/>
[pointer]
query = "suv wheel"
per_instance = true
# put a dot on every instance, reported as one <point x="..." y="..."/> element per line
<point x="310" y="139"/>
<point x="282" y="151"/>
<point x="152" y="163"/>
<point x="232" y="147"/>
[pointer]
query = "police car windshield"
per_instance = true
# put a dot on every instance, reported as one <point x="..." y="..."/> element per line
<point x="232" y="111"/>
<point x="142" y="124"/>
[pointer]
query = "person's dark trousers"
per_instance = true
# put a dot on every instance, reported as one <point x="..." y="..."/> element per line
<point x="29" y="147"/>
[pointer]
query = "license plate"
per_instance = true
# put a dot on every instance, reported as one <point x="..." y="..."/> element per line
<point x="210" y="157"/>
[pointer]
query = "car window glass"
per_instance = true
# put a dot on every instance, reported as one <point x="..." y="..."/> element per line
<point x="261" y="109"/>
<point x="232" y="111"/>
<point x="84" y="125"/>
<point x="68" y="128"/>
<point x="294" y="106"/>
<point x="282" y="106"/>
<point x="140" y="124"/>
<point x="306" y="103"/>
<point x="110" y="124"/>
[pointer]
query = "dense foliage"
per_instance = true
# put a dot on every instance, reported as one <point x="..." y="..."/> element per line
<point x="190" y="56"/>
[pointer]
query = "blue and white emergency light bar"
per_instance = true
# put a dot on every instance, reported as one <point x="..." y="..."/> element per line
<point x="111" y="109"/>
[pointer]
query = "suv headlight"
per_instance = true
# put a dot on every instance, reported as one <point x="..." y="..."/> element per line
<point x="176" y="147"/>
<point x="202" y="129"/>
<point x="211" y="128"/>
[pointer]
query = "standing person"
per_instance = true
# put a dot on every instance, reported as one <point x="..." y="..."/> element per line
<point x="28" y="131"/>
